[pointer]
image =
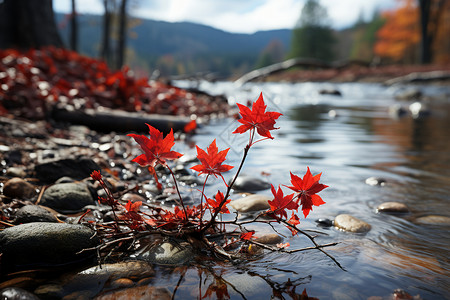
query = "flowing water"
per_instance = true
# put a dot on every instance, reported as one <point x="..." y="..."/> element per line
<point x="358" y="139"/>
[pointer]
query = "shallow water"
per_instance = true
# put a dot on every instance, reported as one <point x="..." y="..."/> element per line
<point x="361" y="141"/>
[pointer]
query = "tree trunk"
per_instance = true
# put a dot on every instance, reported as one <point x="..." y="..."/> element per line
<point x="28" y="24"/>
<point x="425" y="47"/>
<point x="74" y="28"/>
<point x="122" y="34"/>
<point x="106" y="42"/>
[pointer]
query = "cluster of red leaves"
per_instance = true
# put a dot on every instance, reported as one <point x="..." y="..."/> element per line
<point x="157" y="150"/>
<point x="32" y="82"/>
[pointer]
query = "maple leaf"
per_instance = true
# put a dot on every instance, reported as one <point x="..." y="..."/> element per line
<point x="247" y="235"/>
<point x="215" y="203"/>
<point x="257" y="118"/>
<point x="132" y="209"/>
<point x="307" y="188"/>
<point x="283" y="245"/>
<point x="280" y="203"/>
<point x="211" y="161"/>
<point x="156" y="148"/>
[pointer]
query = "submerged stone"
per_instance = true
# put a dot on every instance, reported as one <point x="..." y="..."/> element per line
<point x="351" y="224"/>
<point x="433" y="220"/>
<point x="168" y="254"/>
<point x="251" y="203"/>
<point x="392" y="207"/>
<point x="248" y="183"/>
<point x="66" y="197"/>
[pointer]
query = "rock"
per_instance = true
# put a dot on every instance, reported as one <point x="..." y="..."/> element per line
<point x="65" y="179"/>
<point x="251" y="203"/>
<point x="65" y="197"/>
<point x="376" y="181"/>
<point x="433" y="220"/>
<point x="18" y="188"/>
<point x="271" y="238"/>
<point x="16" y="172"/>
<point x="410" y="94"/>
<point x="139" y="292"/>
<point x="15" y="293"/>
<point x="45" y="244"/>
<point x="33" y="213"/>
<point x="78" y="169"/>
<point x="397" y="110"/>
<point x="323" y="222"/>
<point x="121" y="283"/>
<point x="248" y="183"/>
<point x="392" y="207"/>
<point x="419" y="110"/>
<point x="351" y="224"/>
<point x="132" y="197"/>
<point x="168" y="254"/>
<point x="333" y="92"/>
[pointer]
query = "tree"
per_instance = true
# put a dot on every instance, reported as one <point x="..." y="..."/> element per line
<point x="105" y="52"/>
<point x="271" y="54"/>
<point x="26" y="24"/>
<point x="365" y="38"/>
<point x="74" y="28"/>
<point x="122" y="34"/>
<point x="312" y="37"/>
<point x="430" y="20"/>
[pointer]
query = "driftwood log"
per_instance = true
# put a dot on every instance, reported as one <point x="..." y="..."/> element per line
<point x="296" y="62"/>
<point x="419" y="77"/>
<point x="107" y="120"/>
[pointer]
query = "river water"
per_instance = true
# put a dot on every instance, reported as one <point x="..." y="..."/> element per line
<point x="348" y="138"/>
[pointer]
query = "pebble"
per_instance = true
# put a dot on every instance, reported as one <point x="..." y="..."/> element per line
<point x="333" y="92"/>
<point x="376" y="181"/>
<point x="139" y="292"/>
<point x="45" y="244"/>
<point x="270" y="239"/>
<point x="16" y="172"/>
<point x="33" y="213"/>
<point x="392" y="207"/>
<point x="15" y="293"/>
<point x="67" y="197"/>
<point x="351" y="224"/>
<point x="168" y="254"/>
<point x="433" y="220"/>
<point x="18" y="188"/>
<point x="324" y="222"/>
<point x="248" y="183"/>
<point x="251" y="203"/>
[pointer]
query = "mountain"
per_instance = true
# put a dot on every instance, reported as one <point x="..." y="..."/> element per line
<point x="180" y="48"/>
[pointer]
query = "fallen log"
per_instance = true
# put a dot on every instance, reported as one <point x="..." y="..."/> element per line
<point x="107" y="120"/>
<point x="419" y="77"/>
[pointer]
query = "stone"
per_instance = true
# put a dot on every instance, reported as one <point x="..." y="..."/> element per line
<point x="433" y="220"/>
<point x="324" y="222"/>
<point x="139" y="292"/>
<point x="251" y="203"/>
<point x="393" y="207"/>
<point x="18" y="188"/>
<point x="16" y="172"/>
<point x="15" y="293"/>
<point x="67" y="197"/>
<point x="168" y="254"/>
<point x="33" y="213"/>
<point x="248" y="183"/>
<point x="45" y="244"/>
<point x="121" y="283"/>
<point x="76" y="168"/>
<point x="132" y="197"/>
<point x="376" y="181"/>
<point x="270" y="239"/>
<point x="332" y="92"/>
<point x="351" y="224"/>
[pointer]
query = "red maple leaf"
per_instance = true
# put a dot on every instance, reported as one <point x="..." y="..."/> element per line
<point x="211" y="161"/>
<point x="247" y="235"/>
<point x="215" y="203"/>
<point x="280" y="203"/>
<point x="257" y="118"/>
<point x="307" y="188"/>
<point x="156" y="148"/>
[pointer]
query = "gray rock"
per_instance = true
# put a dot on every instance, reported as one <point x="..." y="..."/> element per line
<point x="251" y="203"/>
<point x="78" y="169"/>
<point x="45" y="244"/>
<point x="16" y="172"/>
<point x="15" y="293"/>
<point x="433" y="220"/>
<point x="248" y="183"/>
<point x="168" y="254"/>
<point x="18" y="188"/>
<point x="351" y="224"/>
<point x="66" y="197"/>
<point x="376" y="181"/>
<point x="392" y="207"/>
<point x="33" y="213"/>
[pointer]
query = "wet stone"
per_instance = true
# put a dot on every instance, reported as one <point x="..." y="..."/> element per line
<point x="324" y="222"/>
<point x="33" y="213"/>
<point x="251" y="203"/>
<point x="249" y="183"/>
<point x="121" y="283"/>
<point x="139" y="292"/>
<point x="15" y="293"/>
<point x="67" y="197"/>
<point x="393" y="207"/>
<point x="45" y="244"/>
<point x="374" y="181"/>
<point x="271" y="239"/>
<point x="16" y="172"/>
<point x="168" y="254"/>
<point x="433" y="220"/>
<point x="77" y="168"/>
<point x="132" y="197"/>
<point x="18" y="188"/>
<point x="351" y="224"/>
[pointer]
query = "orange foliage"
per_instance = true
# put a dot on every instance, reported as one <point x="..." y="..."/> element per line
<point x="441" y="44"/>
<point x="400" y="35"/>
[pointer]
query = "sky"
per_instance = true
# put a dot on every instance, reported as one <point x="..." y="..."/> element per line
<point x="238" y="16"/>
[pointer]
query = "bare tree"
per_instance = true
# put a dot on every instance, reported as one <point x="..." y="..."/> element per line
<point x="74" y="28"/>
